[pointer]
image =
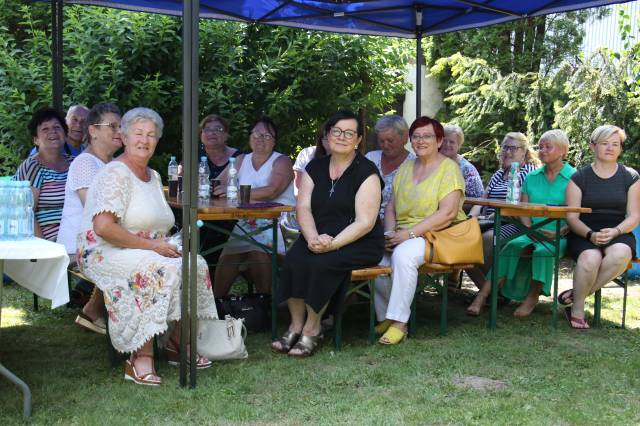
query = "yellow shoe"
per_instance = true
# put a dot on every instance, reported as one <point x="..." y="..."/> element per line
<point x="383" y="326"/>
<point x="393" y="336"/>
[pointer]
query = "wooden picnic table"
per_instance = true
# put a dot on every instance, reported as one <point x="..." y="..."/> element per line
<point x="509" y="212"/>
<point x="216" y="209"/>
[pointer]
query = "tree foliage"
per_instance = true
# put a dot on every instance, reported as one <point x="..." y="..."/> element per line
<point x="549" y="85"/>
<point x="297" y="77"/>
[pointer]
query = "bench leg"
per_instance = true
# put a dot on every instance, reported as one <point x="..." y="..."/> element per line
<point x="597" y="306"/>
<point x="413" y="318"/>
<point x="372" y="313"/>
<point x="443" y="305"/>
<point x="337" y="332"/>
<point x="625" y="282"/>
<point x="35" y="302"/>
<point x="113" y="354"/>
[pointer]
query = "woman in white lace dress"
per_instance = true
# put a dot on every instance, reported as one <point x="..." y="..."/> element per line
<point x="123" y="248"/>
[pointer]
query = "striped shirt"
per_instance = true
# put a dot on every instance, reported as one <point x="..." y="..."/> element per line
<point x="499" y="183"/>
<point x="50" y="183"/>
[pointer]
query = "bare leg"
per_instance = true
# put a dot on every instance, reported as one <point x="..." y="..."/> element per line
<point x="298" y="311"/>
<point x="144" y="364"/>
<point x="481" y="298"/>
<point x="615" y="261"/>
<point x="174" y="342"/>
<point x="311" y="327"/>
<point x="226" y="273"/>
<point x="584" y="278"/>
<point x="94" y="308"/>
<point x="260" y="270"/>
<point x="478" y="273"/>
<point x="530" y="302"/>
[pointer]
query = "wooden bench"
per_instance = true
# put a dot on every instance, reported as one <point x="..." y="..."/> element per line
<point x="622" y="281"/>
<point x="436" y="275"/>
<point x="361" y="279"/>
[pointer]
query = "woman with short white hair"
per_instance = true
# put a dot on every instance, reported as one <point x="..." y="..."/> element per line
<point x="527" y="264"/>
<point x="453" y="140"/>
<point x="600" y="242"/>
<point x="123" y="248"/>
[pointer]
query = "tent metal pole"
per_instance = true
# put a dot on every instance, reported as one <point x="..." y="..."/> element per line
<point x="190" y="68"/>
<point x="57" y="18"/>
<point x="419" y="61"/>
<point x="419" y="75"/>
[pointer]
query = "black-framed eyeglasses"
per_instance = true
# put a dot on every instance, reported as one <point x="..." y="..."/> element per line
<point x="510" y="148"/>
<point x="426" y="137"/>
<point x="212" y="130"/>
<point x="348" y="134"/>
<point x="114" y="126"/>
<point x="264" y="136"/>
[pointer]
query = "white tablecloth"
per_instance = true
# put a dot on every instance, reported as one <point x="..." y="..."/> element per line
<point x="39" y="266"/>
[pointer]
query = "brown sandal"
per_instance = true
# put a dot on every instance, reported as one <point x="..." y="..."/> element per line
<point x="173" y="356"/>
<point x="307" y="345"/>
<point x="287" y="340"/>
<point x="130" y="372"/>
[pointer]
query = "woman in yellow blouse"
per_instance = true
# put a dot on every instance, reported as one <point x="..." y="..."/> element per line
<point x="428" y="194"/>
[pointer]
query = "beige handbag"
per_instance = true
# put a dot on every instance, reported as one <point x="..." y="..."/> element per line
<point x="222" y="339"/>
<point x="458" y="244"/>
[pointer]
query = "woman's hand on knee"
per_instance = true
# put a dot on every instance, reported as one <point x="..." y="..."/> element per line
<point x="165" y="249"/>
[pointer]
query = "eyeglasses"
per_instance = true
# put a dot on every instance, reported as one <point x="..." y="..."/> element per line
<point x="510" y="148"/>
<point x="114" y="126"/>
<point x="348" y="134"/>
<point x="426" y="137"/>
<point x="264" y="136"/>
<point x="212" y="130"/>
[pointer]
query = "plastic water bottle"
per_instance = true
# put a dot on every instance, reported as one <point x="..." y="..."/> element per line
<point x="172" y="173"/>
<point x="513" y="191"/>
<point x="4" y="211"/>
<point x="232" y="184"/>
<point x="203" y="180"/>
<point x="26" y="224"/>
<point x="14" y="213"/>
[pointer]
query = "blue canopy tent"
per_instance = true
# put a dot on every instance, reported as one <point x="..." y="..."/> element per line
<point x="397" y="18"/>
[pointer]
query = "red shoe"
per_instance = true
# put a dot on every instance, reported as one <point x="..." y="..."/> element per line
<point x="173" y="356"/>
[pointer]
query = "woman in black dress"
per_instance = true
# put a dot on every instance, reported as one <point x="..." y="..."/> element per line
<point x="337" y="209"/>
<point x="600" y="242"/>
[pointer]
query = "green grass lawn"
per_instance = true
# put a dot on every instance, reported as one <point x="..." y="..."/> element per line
<point x="538" y="376"/>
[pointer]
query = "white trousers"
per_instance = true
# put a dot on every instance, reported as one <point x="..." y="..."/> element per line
<point x="393" y="295"/>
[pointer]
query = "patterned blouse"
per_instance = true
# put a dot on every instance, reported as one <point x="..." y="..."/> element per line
<point x="376" y="158"/>
<point x="472" y="182"/>
<point x="50" y="183"/>
<point x="499" y="183"/>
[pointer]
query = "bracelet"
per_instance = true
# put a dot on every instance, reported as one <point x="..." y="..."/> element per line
<point x="588" y="236"/>
<point x="412" y="234"/>
<point x="619" y="231"/>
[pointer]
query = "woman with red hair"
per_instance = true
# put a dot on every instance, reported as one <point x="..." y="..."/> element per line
<point x="428" y="194"/>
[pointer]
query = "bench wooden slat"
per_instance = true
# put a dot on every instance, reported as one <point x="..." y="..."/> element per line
<point x="369" y="273"/>
<point x="432" y="268"/>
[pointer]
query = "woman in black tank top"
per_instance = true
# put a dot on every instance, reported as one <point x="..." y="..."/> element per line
<point x="601" y="242"/>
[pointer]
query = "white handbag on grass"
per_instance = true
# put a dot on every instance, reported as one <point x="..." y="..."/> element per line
<point x="222" y="339"/>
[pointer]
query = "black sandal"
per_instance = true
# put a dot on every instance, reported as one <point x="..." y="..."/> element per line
<point x="287" y="341"/>
<point x="307" y="345"/>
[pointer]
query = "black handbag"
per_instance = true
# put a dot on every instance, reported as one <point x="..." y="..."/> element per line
<point x="253" y="308"/>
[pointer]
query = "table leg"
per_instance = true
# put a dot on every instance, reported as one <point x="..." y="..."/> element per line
<point x="493" y="314"/>
<point x="555" y="275"/>
<point x="26" y="392"/>
<point x="274" y="281"/>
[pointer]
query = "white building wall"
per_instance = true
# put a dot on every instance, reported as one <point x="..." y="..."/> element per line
<point x="605" y="33"/>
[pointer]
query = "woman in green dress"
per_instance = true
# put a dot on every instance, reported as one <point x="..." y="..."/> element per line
<point x="526" y="265"/>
